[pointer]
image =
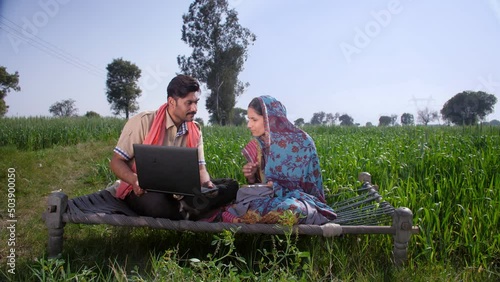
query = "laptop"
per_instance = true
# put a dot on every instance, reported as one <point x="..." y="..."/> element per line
<point x="169" y="169"/>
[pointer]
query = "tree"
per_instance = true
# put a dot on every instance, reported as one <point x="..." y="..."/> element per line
<point x="92" y="114"/>
<point x="65" y="108"/>
<point x="318" y="118"/>
<point x="468" y="107"/>
<point x="407" y="119"/>
<point x="239" y="116"/>
<point x="219" y="45"/>
<point x="425" y="116"/>
<point x="324" y="118"/>
<point x="122" y="89"/>
<point x="394" y="120"/>
<point x="346" y="120"/>
<point x="200" y="121"/>
<point x="331" y="118"/>
<point x="299" y="122"/>
<point x="8" y="82"/>
<point x="384" y="121"/>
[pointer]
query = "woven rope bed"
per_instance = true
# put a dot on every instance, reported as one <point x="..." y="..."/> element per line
<point x="364" y="213"/>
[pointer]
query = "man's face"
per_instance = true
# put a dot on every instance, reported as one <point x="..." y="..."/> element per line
<point x="183" y="109"/>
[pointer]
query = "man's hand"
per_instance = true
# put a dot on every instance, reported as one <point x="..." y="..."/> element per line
<point x="138" y="191"/>
<point x="205" y="178"/>
<point x="121" y="168"/>
<point x="208" y="184"/>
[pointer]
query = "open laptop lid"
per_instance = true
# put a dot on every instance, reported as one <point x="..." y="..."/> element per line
<point x="168" y="169"/>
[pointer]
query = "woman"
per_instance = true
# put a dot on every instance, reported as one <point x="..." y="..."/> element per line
<point x="284" y="158"/>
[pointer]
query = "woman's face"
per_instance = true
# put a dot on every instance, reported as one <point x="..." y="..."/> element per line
<point x="255" y="123"/>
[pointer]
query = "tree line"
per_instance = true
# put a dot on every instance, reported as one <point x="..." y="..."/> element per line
<point x="465" y="108"/>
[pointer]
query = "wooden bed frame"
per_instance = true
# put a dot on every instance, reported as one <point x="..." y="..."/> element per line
<point x="365" y="213"/>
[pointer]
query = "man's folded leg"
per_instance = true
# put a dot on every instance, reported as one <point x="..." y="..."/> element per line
<point x="153" y="204"/>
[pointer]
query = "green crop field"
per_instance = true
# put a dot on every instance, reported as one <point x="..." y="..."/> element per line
<point x="448" y="176"/>
<point x="37" y="133"/>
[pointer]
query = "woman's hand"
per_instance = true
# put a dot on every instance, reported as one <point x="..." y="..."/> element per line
<point x="249" y="171"/>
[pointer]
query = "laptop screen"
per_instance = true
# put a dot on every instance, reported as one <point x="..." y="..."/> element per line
<point x="168" y="169"/>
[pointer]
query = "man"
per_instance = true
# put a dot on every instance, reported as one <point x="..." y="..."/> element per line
<point x="171" y="125"/>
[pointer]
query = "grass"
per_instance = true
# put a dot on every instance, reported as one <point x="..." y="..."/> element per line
<point x="35" y="133"/>
<point x="448" y="177"/>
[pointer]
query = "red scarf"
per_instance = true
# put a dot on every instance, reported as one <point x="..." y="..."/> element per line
<point x="155" y="136"/>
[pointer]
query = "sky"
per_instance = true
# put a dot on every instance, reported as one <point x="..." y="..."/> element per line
<point x="362" y="58"/>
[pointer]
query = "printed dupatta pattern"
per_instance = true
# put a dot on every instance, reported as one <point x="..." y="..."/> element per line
<point x="289" y="159"/>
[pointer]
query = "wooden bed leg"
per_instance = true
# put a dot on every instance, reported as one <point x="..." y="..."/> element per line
<point x="56" y="206"/>
<point x="402" y="222"/>
<point x="364" y="177"/>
